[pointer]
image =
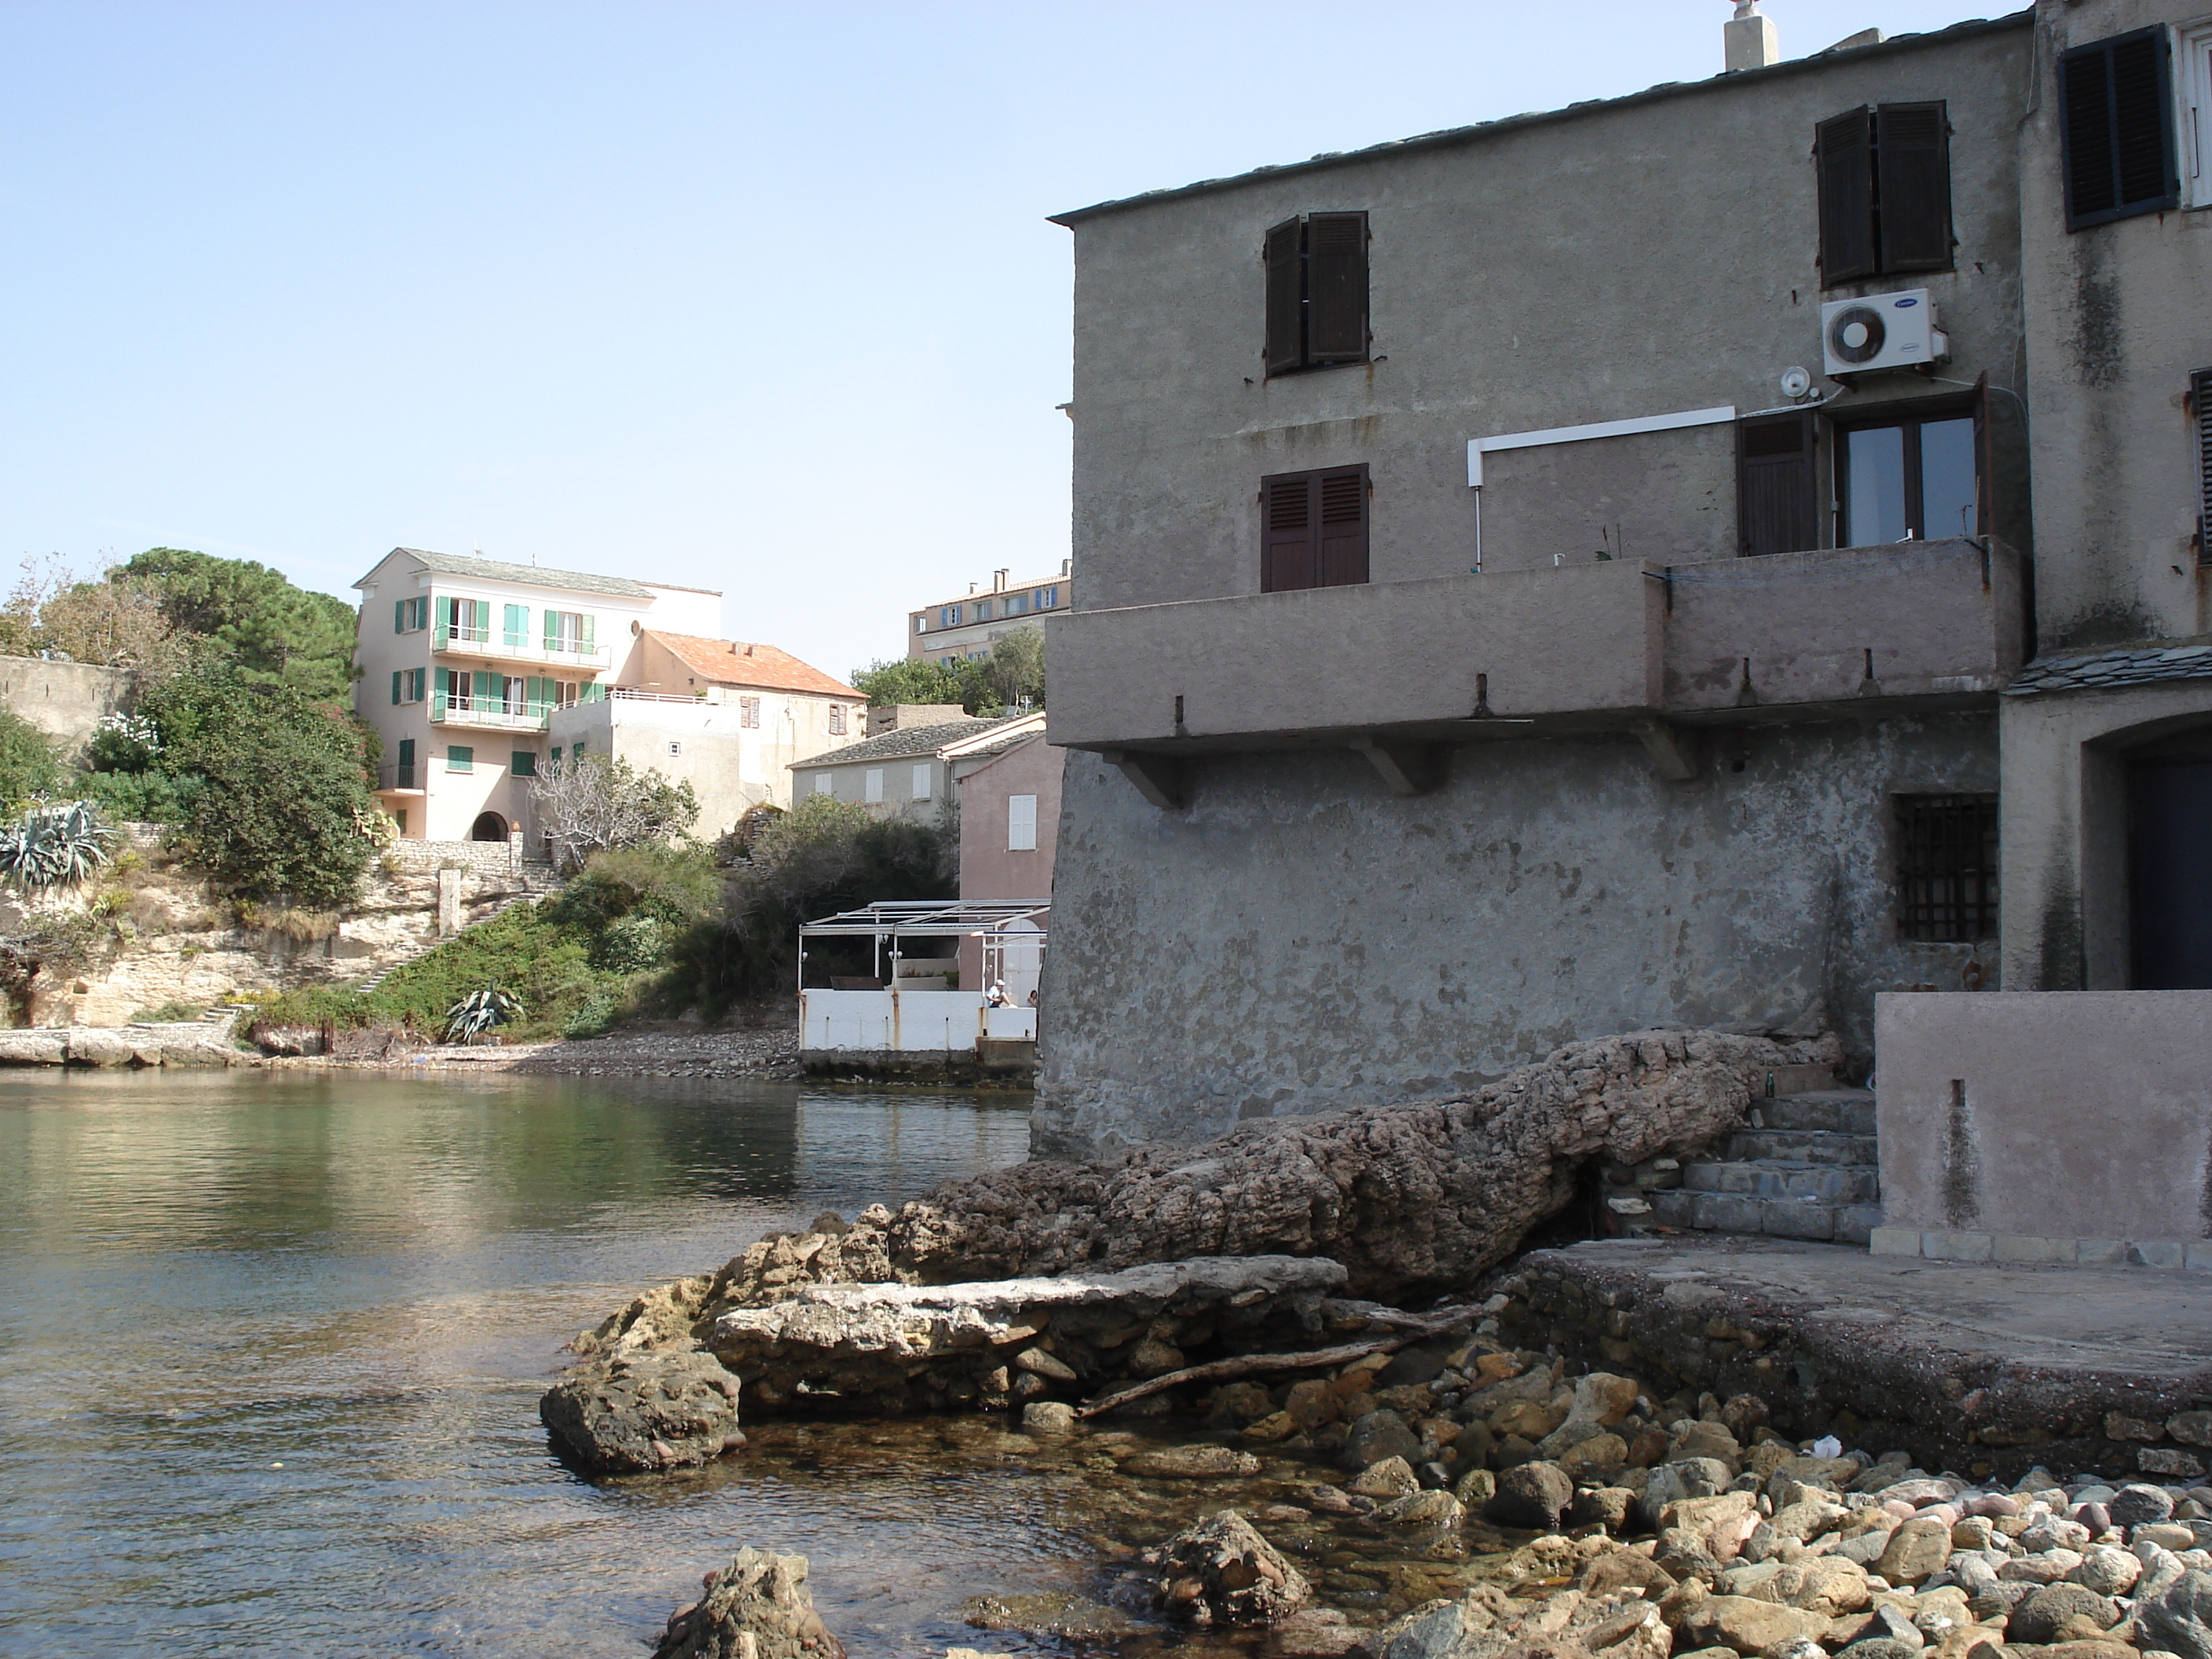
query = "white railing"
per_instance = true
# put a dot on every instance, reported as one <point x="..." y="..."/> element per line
<point x="906" y="1022"/>
<point x="496" y="645"/>
<point x="625" y="694"/>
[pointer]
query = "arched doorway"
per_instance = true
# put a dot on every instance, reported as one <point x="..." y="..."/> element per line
<point x="489" y="826"/>
<point x="2170" y="880"/>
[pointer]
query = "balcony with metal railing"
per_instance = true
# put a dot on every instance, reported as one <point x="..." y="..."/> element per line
<point x="399" y="778"/>
<point x="466" y="709"/>
<point x="488" y="644"/>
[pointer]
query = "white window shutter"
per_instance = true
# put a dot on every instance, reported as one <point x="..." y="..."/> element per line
<point x="875" y="783"/>
<point x="924" y="785"/>
<point x="1021" y="823"/>
<point x="822" y="783"/>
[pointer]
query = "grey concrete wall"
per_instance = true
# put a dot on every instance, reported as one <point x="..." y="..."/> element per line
<point x="64" y="700"/>
<point x="1297" y="939"/>
<point x="1621" y="261"/>
<point x="2018" y="1115"/>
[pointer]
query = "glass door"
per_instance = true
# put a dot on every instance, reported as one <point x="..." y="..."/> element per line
<point x="1908" y="480"/>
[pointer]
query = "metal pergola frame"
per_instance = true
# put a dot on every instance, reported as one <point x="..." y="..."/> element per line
<point x="989" y="920"/>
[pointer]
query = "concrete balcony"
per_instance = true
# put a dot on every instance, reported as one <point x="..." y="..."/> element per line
<point x="1604" y="645"/>
<point x="488" y="715"/>
<point x="492" y="645"/>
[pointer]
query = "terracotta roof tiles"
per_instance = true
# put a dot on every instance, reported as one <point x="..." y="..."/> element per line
<point x="733" y="662"/>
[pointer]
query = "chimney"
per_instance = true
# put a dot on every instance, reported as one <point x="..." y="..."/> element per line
<point x="1068" y="566"/>
<point x="999" y="580"/>
<point x="972" y="587"/>
<point x="1752" y="42"/>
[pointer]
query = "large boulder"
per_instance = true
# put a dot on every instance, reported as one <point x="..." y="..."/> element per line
<point x="633" y="1411"/>
<point x="1410" y="1198"/>
<point x="1222" y="1572"/>
<point x="756" y="1607"/>
<point x="2179" y="1616"/>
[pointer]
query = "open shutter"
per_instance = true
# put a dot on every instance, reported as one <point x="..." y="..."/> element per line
<point x="1336" y="287"/>
<point x="395" y="688"/>
<point x="1846" y="171"/>
<point x="1287" y="520"/>
<point x="516" y="630"/>
<point x="1913" y="179"/>
<point x="445" y="687"/>
<point x="1778" y="509"/>
<point x="552" y="631"/>
<point x="1343" y="558"/>
<point x="1287" y="331"/>
<point x="2201" y="399"/>
<point x="1985" y="471"/>
<point x="584" y="635"/>
<point x="400" y="615"/>
<point x="2116" y="119"/>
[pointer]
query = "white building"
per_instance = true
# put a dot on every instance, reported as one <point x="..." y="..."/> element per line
<point x="968" y="626"/>
<point x="911" y="771"/>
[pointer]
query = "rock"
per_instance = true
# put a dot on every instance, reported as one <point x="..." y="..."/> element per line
<point x="2106" y="1572"/>
<point x="1053" y="1615"/>
<point x="2042" y="1567"/>
<point x="756" y="1607"/>
<point x="1709" y="1440"/>
<point x="1533" y="1495"/>
<point x="1313" y="1633"/>
<point x="1421" y="1509"/>
<point x="2178" y="1617"/>
<point x="894" y="1348"/>
<point x="2190" y="1428"/>
<point x="1313" y="1403"/>
<point x="1476" y="1488"/>
<point x="1199" y="1462"/>
<point x="1916" y="1551"/>
<point x="1744" y="1625"/>
<point x="1048" y="1416"/>
<point x="1601" y="1399"/>
<point x="1221" y="1572"/>
<point x="1269" y="1430"/>
<point x="1600" y="1457"/>
<point x="631" y="1411"/>
<point x="1391" y="1478"/>
<point x="1378" y="1434"/>
<point x="32" y="1048"/>
<point x="1414" y="1197"/>
<point x="2167" y="1534"/>
<point x="1695" y="1477"/>
<point x="1882" y="1647"/>
<point x="2138" y="1505"/>
<point x="1820" y="1585"/>
<point x="2039" y="1617"/>
<point x="2171" y="1463"/>
<point x="1609" y="1507"/>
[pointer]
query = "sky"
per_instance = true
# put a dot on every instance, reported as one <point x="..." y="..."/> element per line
<point x="755" y="298"/>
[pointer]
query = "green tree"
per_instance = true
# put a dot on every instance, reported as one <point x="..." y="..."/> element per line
<point x="1014" y="671"/>
<point x="28" y="763"/>
<point x="913" y="679"/>
<point x="280" y="802"/>
<point x="277" y="634"/>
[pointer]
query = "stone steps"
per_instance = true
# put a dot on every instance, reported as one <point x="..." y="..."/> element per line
<point x="1806" y="1167"/>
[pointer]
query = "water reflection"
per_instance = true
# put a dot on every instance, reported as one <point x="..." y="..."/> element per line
<point x="274" y="1342"/>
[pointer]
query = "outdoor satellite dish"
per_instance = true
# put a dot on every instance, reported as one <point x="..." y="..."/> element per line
<point x="1796" y="382"/>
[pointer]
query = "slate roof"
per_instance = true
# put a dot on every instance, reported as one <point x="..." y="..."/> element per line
<point x="2135" y="665"/>
<point x="499" y="570"/>
<point x="911" y="743"/>
<point x="1450" y="136"/>
<point x="734" y="662"/>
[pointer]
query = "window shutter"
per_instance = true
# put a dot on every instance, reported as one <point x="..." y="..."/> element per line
<point x="400" y="615"/>
<point x="584" y="635"/>
<point x="1846" y="170"/>
<point x="1287" y="525"/>
<point x="1286" y="344"/>
<point x="1778" y="508"/>
<point x="516" y="629"/>
<point x="2201" y="396"/>
<point x="395" y="688"/>
<point x="552" y="631"/>
<point x="1336" y="287"/>
<point x="1343" y="558"/>
<point x="1913" y="161"/>
<point x="1021" y="823"/>
<point x="2116" y="121"/>
<point x="449" y="611"/>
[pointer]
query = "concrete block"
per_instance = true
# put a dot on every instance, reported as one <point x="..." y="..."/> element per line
<point x="1855" y="1224"/>
<point x="1676" y="1209"/>
<point x="1957" y="1247"/>
<point x="1797" y="1218"/>
<point x="1894" y="1241"/>
<point x="2197" y="1258"/>
<point x="2024" y="1249"/>
<point x="2154" y="1253"/>
<point x="2101" y="1252"/>
<point x="1727" y="1213"/>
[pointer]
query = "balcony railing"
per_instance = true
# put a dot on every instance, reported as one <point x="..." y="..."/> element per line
<point x="488" y="713"/>
<point x="496" y="645"/>
<point x="1614" y="643"/>
<point x="399" y="775"/>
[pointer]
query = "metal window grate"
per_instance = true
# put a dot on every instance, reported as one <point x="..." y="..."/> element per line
<point x="1947" y="867"/>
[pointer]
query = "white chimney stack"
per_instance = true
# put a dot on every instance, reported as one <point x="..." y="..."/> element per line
<point x="1752" y="41"/>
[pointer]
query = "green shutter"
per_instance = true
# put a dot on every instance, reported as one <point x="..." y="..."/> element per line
<point x="591" y="691"/>
<point x="523" y="764"/>
<point x="552" y="631"/>
<point x="480" y="683"/>
<point x="517" y="627"/>
<point x="400" y="615"/>
<point x="459" y="759"/>
<point x="584" y="635"/>
<point x="395" y="688"/>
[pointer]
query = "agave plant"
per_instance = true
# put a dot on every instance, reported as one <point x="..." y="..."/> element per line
<point x="55" y="844"/>
<point x="479" y="1011"/>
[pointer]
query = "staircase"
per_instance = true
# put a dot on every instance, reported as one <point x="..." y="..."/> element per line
<point x="1804" y="1167"/>
<point x="538" y="881"/>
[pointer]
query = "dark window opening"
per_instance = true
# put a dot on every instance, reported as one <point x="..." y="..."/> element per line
<point x="1914" y="479"/>
<point x="1313" y="529"/>
<point x="2200" y="404"/>
<point x="1778" y="501"/>
<point x="1885" y="178"/>
<point x="1947" y="868"/>
<point x="2116" y="123"/>
<point x="1317" y="292"/>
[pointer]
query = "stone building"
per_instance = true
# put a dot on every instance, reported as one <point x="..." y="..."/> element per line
<point x="1563" y="574"/>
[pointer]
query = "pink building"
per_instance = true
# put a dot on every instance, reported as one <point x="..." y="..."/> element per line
<point x="1009" y="830"/>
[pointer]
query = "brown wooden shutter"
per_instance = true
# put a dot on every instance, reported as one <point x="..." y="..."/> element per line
<point x="1343" y="557"/>
<point x="2201" y="398"/>
<point x="1777" y="508"/>
<point x="1286" y="323"/>
<point x="1336" y="287"/>
<point x="1288" y="521"/>
<point x="1912" y="151"/>
<point x="2115" y="125"/>
<point x="1846" y="171"/>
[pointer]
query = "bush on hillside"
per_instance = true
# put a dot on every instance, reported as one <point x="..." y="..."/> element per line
<point x="592" y="804"/>
<point x="30" y="765"/>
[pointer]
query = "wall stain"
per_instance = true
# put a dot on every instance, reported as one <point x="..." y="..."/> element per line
<point x="1962" y="1201"/>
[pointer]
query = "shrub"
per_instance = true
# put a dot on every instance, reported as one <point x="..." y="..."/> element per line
<point x="169" y="1013"/>
<point x="54" y="845"/>
<point x="30" y="765"/>
<point x="594" y="804"/>
<point x="476" y="1014"/>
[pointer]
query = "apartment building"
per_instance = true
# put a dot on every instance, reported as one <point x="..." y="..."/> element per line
<point x="909" y="770"/>
<point x="477" y="673"/>
<point x="967" y="626"/>
<point x="1564" y="575"/>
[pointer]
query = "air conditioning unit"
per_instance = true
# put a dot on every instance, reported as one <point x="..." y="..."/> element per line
<point x="1882" y="330"/>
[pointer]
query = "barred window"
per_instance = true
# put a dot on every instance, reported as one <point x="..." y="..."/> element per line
<point x="1947" y="873"/>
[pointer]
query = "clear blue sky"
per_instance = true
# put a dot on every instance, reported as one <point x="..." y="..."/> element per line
<point x="756" y="298"/>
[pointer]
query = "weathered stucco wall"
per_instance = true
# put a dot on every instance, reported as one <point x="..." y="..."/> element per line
<point x="2044" y="1120"/>
<point x="64" y="700"/>
<point x="1298" y="940"/>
